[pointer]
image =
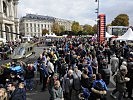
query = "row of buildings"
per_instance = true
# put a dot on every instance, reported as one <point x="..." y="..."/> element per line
<point x="11" y="27"/>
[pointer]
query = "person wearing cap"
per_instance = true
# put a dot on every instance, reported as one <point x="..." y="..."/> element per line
<point x="114" y="64"/>
<point x="121" y="81"/>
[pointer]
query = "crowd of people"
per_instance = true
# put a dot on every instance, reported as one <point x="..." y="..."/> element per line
<point x="76" y="69"/>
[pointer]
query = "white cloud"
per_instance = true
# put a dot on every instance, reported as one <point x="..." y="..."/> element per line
<point x="78" y="10"/>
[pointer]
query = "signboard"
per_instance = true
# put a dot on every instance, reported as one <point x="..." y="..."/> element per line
<point x="101" y="28"/>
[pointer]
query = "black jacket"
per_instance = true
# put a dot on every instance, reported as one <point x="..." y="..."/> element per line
<point x="17" y="95"/>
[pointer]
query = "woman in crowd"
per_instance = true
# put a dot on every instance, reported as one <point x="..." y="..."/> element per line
<point x="3" y="94"/>
<point x="57" y="91"/>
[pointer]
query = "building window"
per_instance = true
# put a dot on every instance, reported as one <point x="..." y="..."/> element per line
<point x="27" y="29"/>
<point x="31" y="29"/>
<point x="30" y="24"/>
<point x="26" y="24"/>
<point x="42" y="26"/>
<point x="4" y="8"/>
<point x="34" y="25"/>
<point x="35" y="29"/>
<point x="38" y="25"/>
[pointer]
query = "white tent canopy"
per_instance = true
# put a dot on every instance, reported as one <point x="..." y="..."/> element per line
<point x="107" y="35"/>
<point x="127" y="36"/>
<point x="50" y="35"/>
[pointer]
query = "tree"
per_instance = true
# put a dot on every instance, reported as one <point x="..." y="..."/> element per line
<point x="121" y="20"/>
<point x="44" y="31"/>
<point x="56" y="28"/>
<point x="87" y="29"/>
<point x="94" y="29"/>
<point x="62" y="28"/>
<point x="76" y="27"/>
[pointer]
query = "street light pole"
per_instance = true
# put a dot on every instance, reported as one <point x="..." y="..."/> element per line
<point x="97" y="7"/>
<point x="97" y="11"/>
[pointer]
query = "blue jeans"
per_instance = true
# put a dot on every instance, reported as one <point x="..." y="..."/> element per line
<point x="29" y="84"/>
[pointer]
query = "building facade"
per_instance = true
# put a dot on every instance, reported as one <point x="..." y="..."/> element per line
<point x="9" y="22"/>
<point x="117" y="30"/>
<point x="33" y="25"/>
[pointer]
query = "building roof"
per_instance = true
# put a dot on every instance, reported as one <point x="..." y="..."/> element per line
<point x="38" y="17"/>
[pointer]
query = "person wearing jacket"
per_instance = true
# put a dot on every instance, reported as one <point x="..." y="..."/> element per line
<point x="67" y="85"/>
<point x="15" y="92"/>
<point x="29" y="76"/>
<point x="45" y="75"/>
<point x="99" y="88"/>
<point x="57" y="91"/>
<point x="51" y="82"/>
<point x="130" y="75"/>
<point x="121" y="81"/>
<point x="114" y="64"/>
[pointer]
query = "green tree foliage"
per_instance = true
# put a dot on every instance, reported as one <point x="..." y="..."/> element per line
<point x="121" y="20"/>
<point x="44" y="31"/>
<point x="94" y="29"/>
<point x="62" y="28"/>
<point x="88" y="29"/>
<point x="56" y="28"/>
<point x="76" y="27"/>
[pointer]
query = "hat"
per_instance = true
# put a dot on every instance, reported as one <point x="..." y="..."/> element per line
<point x="124" y="63"/>
<point x="123" y="67"/>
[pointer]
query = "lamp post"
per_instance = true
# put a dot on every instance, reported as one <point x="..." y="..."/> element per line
<point x="97" y="11"/>
<point x="97" y="7"/>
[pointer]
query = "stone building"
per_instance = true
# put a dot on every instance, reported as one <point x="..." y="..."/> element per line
<point x="9" y="22"/>
<point x="33" y="24"/>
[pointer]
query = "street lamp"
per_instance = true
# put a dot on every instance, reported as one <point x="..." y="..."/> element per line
<point x="97" y="8"/>
<point x="97" y="11"/>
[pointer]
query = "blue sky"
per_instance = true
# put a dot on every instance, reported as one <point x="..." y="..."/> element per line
<point x="82" y="11"/>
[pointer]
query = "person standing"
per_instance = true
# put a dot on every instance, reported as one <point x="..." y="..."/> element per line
<point x="114" y="64"/>
<point x="121" y="81"/>
<point x="45" y="75"/>
<point x="15" y="92"/>
<point x="68" y="85"/>
<point x="130" y="75"/>
<point x="99" y="88"/>
<point x="76" y="82"/>
<point x="57" y="91"/>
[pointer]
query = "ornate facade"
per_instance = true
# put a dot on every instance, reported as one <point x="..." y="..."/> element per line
<point x="33" y="25"/>
<point x="9" y="22"/>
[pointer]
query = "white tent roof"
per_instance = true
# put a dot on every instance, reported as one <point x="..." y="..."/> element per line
<point x="127" y="36"/>
<point x="107" y="35"/>
<point x="51" y="35"/>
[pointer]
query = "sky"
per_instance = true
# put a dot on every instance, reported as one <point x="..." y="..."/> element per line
<point x="82" y="11"/>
